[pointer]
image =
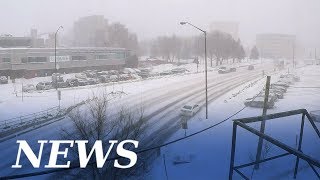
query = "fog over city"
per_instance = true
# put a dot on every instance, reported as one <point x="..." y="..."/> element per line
<point x="160" y="89"/>
<point x="150" y="18"/>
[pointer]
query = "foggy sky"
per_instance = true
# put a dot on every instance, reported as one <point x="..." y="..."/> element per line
<point x="151" y="18"/>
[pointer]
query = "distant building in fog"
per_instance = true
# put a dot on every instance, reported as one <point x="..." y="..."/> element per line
<point x="9" y="41"/>
<point x="90" y="31"/>
<point x="276" y="45"/>
<point x="229" y="27"/>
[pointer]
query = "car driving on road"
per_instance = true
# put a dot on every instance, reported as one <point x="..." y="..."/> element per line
<point x="190" y="109"/>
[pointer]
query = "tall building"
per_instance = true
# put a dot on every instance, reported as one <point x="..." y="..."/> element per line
<point x="90" y="31"/>
<point x="229" y="27"/>
<point x="276" y="45"/>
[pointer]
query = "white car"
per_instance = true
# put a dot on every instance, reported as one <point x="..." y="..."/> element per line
<point x="190" y="110"/>
<point x="28" y="88"/>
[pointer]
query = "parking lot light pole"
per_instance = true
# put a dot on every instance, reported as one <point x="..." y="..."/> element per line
<point x="55" y="55"/>
<point x="205" y="58"/>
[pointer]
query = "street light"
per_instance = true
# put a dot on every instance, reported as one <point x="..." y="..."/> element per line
<point x="55" y="56"/>
<point x="205" y="58"/>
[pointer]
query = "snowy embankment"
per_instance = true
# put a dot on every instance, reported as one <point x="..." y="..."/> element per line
<point x="207" y="155"/>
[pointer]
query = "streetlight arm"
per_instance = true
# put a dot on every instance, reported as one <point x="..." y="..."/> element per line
<point x="58" y="30"/>
<point x="196" y="27"/>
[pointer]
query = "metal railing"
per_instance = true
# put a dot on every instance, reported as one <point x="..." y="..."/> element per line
<point x="29" y="118"/>
<point x="289" y="150"/>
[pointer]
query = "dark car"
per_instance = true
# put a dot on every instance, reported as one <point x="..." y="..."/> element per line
<point x="233" y="69"/>
<point x="92" y="81"/>
<point x="3" y="80"/>
<point x="103" y="78"/>
<point x="165" y="73"/>
<point x="179" y="70"/>
<point x="250" y="67"/>
<point x="83" y="82"/>
<point x="44" y="85"/>
<point x="90" y="73"/>
<point x="63" y="85"/>
<point x="72" y="82"/>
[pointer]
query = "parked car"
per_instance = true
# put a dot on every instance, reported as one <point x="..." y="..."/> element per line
<point x="103" y="78"/>
<point x="28" y="88"/>
<point x="81" y="76"/>
<point x="144" y="73"/>
<point x="223" y="70"/>
<point x="44" y="85"/>
<point x="281" y="83"/>
<point x="278" y="87"/>
<point x="272" y="97"/>
<point x="113" y="78"/>
<point x="135" y="76"/>
<point x="63" y="85"/>
<point x="290" y="76"/>
<point x="102" y="73"/>
<point x="57" y="77"/>
<point x="233" y="69"/>
<point x="124" y="77"/>
<point x="277" y="93"/>
<point x="90" y="73"/>
<point x="93" y="81"/>
<point x="250" y="67"/>
<point x="72" y="82"/>
<point x="179" y="70"/>
<point x="114" y="72"/>
<point x="258" y="102"/>
<point x="83" y="82"/>
<point x="128" y="71"/>
<point x="165" y="73"/>
<point x="137" y="70"/>
<point x="3" y="80"/>
<point x="189" y="109"/>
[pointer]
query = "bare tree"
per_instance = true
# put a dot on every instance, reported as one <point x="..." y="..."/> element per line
<point x="95" y="122"/>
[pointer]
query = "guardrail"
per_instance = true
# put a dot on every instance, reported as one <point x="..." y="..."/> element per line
<point x="30" y="118"/>
<point x="298" y="153"/>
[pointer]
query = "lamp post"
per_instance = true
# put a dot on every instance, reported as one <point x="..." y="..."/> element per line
<point x="205" y="58"/>
<point x="55" y="55"/>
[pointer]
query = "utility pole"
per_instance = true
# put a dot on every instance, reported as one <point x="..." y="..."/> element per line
<point x="263" y="122"/>
<point x="293" y="62"/>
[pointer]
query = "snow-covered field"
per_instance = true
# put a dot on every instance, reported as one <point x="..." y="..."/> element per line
<point x="209" y="152"/>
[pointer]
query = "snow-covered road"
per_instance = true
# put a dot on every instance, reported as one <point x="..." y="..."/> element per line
<point x="161" y="100"/>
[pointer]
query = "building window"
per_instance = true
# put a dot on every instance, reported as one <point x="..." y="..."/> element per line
<point x="102" y="57"/>
<point x="24" y="60"/>
<point x="115" y="55"/>
<point x="6" y="60"/>
<point x="37" y="59"/>
<point x="78" y="58"/>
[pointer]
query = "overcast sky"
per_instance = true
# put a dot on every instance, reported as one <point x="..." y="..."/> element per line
<point x="150" y="18"/>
